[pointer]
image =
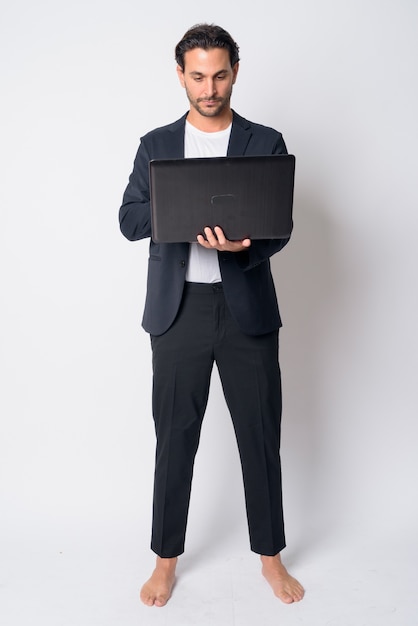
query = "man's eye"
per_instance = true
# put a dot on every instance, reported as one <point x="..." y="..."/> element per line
<point x="221" y="77"/>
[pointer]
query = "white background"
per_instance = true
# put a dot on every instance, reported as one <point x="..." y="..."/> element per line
<point x="81" y="81"/>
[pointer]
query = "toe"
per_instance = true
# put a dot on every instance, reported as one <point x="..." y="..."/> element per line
<point x="286" y="597"/>
<point x="298" y="595"/>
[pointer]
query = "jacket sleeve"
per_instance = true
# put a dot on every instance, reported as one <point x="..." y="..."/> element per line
<point x="135" y="214"/>
<point x="258" y="252"/>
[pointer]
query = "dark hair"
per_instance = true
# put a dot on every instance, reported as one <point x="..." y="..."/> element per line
<point x="206" y="36"/>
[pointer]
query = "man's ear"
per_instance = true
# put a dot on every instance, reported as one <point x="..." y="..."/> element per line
<point x="180" y="74"/>
<point x="235" y="72"/>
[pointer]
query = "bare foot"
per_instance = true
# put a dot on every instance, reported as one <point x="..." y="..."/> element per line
<point x="284" y="586"/>
<point x="157" y="590"/>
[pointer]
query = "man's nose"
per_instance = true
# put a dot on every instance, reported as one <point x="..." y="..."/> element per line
<point x="210" y="87"/>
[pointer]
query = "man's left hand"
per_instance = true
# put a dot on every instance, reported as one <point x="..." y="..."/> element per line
<point x="215" y="239"/>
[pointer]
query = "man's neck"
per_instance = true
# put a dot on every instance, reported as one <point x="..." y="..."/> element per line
<point x="210" y="124"/>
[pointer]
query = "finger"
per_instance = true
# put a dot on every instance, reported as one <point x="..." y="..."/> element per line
<point x="220" y="235"/>
<point x="213" y="241"/>
<point x="203" y="242"/>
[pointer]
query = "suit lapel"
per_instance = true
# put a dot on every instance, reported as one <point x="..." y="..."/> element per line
<point x="176" y="144"/>
<point x="240" y="136"/>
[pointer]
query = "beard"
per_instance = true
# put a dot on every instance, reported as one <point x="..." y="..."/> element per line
<point x="216" y="108"/>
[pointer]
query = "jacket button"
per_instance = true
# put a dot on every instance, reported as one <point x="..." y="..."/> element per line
<point x="182" y="263"/>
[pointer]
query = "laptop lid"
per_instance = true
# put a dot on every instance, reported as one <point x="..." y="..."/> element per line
<point x="248" y="196"/>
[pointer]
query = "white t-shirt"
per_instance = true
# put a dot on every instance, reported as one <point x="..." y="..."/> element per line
<point x="203" y="265"/>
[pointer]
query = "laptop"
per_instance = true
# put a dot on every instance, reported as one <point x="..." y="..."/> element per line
<point x="247" y="196"/>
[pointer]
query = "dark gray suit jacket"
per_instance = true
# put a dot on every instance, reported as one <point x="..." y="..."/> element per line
<point x="246" y="276"/>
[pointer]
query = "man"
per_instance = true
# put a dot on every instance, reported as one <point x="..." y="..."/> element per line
<point x="213" y="300"/>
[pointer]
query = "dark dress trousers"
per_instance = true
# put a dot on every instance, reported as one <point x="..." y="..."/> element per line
<point x="234" y="324"/>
